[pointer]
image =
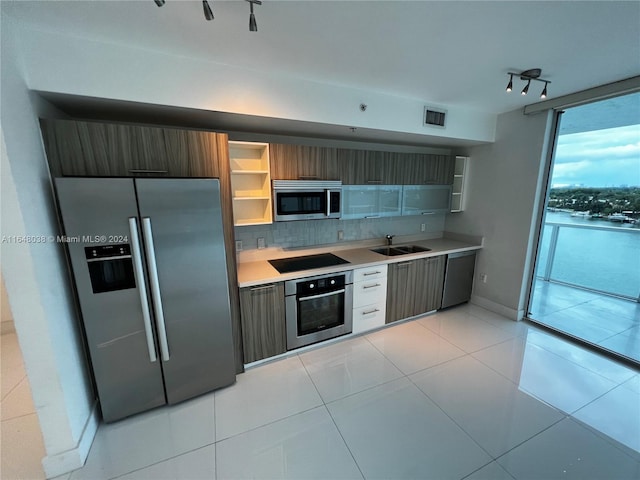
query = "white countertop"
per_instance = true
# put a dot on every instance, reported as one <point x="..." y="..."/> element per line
<point x="259" y="272"/>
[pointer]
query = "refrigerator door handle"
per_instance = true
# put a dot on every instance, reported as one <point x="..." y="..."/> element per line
<point x="138" y="270"/>
<point x="155" y="287"/>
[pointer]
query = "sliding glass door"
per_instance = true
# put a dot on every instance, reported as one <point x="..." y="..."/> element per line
<point x="587" y="273"/>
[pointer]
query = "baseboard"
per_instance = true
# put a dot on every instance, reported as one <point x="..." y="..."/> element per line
<point x="70" y="460"/>
<point x="503" y="310"/>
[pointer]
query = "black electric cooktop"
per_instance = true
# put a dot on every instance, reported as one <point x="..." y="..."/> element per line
<point x="306" y="262"/>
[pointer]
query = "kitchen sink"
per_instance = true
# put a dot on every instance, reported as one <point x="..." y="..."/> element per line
<point x="400" y="250"/>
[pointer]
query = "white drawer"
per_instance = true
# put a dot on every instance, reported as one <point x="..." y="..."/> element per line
<point x="369" y="273"/>
<point x="368" y="317"/>
<point x="369" y="291"/>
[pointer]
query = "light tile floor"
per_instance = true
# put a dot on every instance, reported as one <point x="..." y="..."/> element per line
<point x="461" y="394"/>
<point x="608" y="322"/>
<point x="21" y="445"/>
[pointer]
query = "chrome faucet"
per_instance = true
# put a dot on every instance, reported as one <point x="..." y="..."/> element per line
<point x="389" y="239"/>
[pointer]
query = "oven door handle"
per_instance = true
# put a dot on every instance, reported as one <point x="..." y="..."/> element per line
<point x="335" y="292"/>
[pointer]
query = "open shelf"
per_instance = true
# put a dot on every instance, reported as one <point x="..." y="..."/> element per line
<point x="250" y="183"/>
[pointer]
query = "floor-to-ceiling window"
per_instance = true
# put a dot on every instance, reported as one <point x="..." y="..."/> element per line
<point x="587" y="275"/>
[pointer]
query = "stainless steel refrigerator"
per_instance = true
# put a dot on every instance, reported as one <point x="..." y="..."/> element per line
<point x="148" y="259"/>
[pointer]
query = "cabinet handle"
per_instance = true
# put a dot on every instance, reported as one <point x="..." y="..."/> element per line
<point x="265" y="287"/>
<point x="371" y="286"/>
<point x="372" y="216"/>
<point x="428" y="213"/>
<point x="370" y="311"/>
<point x="371" y="273"/>
<point x="147" y="171"/>
<point x="405" y="264"/>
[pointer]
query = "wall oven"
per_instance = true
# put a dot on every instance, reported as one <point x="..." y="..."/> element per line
<point x="318" y="308"/>
<point x="306" y="199"/>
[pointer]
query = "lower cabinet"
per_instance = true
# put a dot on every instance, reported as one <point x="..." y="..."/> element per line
<point x="414" y="287"/>
<point x="263" y="321"/>
<point x="369" y="298"/>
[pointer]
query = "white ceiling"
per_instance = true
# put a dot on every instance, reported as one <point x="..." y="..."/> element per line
<point x="449" y="53"/>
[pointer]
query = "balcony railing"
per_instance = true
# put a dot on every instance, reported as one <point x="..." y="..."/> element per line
<point x="598" y="258"/>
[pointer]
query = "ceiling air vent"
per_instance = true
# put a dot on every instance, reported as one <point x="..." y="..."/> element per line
<point x="434" y="117"/>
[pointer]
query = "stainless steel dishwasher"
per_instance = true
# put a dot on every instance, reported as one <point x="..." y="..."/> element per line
<point x="458" y="278"/>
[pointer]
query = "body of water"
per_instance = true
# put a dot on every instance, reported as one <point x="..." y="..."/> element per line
<point x="605" y="260"/>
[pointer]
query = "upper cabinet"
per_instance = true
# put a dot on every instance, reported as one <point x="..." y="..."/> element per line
<point x="426" y="199"/>
<point x="369" y="167"/>
<point x="299" y="162"/>
<point x="250" y="183"/>
<point x="77" y="148"/>
<point x="457" y="190"/>
<point x="371" y="201"/>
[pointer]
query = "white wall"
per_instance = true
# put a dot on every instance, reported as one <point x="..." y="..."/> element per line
<point x="63" y="64"/>
<point x="502" y="200"/>
<point x="36" y="276"/>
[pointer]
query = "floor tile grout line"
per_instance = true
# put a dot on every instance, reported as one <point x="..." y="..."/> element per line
<point x="19" y="416"/>
<point x="12" y="389"/>
<point x="486" y="465"/>
<point x="345" y="442"/>
<point x="450" y="418"/>
<point x="564" y="417"/>
<point x="157" y="463"/>
<point x="611" y="441"/>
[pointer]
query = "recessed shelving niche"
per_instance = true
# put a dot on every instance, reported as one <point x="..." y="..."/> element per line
<point x="250" y="183"/>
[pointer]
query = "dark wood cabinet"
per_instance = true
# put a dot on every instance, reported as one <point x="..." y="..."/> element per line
<point x="365" y="167"/>
<point x="401" y="280"/>
<point x="414" y="287"/>
<point x="77" y="148"/>
<point x="429" y="284"/>
<point x="299" y="162"/>
<point x="263" y="321"/>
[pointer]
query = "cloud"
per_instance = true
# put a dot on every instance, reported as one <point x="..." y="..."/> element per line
<point x="599" y="158"/>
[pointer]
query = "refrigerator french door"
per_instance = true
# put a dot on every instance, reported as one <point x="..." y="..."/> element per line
<point x="148" y="260"/>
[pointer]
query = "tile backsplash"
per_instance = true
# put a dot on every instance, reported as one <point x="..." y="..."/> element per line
<point x="308" y="233"/>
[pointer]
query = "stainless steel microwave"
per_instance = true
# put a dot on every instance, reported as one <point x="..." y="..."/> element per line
<point x="306" y="199"/>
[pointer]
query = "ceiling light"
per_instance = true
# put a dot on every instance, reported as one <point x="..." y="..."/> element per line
<point x="510" y="84"/>
<point x="253" y="26"/>
<point x="208" y="14"/>
<point x="528" y="76"/>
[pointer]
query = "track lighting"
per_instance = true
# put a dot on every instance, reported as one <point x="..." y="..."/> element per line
<point x="528" y="75"/>
<point x="253" y="26"/>
<point x="208" y="14"/>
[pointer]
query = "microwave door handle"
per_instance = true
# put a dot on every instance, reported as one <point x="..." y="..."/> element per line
<point x="155" y="287"/>
<point x="138" y="271"/>
<point x="328" y="202"/>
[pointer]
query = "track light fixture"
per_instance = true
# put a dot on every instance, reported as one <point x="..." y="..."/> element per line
<point x="208" y="13"/>
<point x="253" y="26"/>
<point x="528" y="75"/>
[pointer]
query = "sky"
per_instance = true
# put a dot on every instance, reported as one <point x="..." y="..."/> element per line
<point x="601" y="158"/>
<point x="599" y="144"/>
